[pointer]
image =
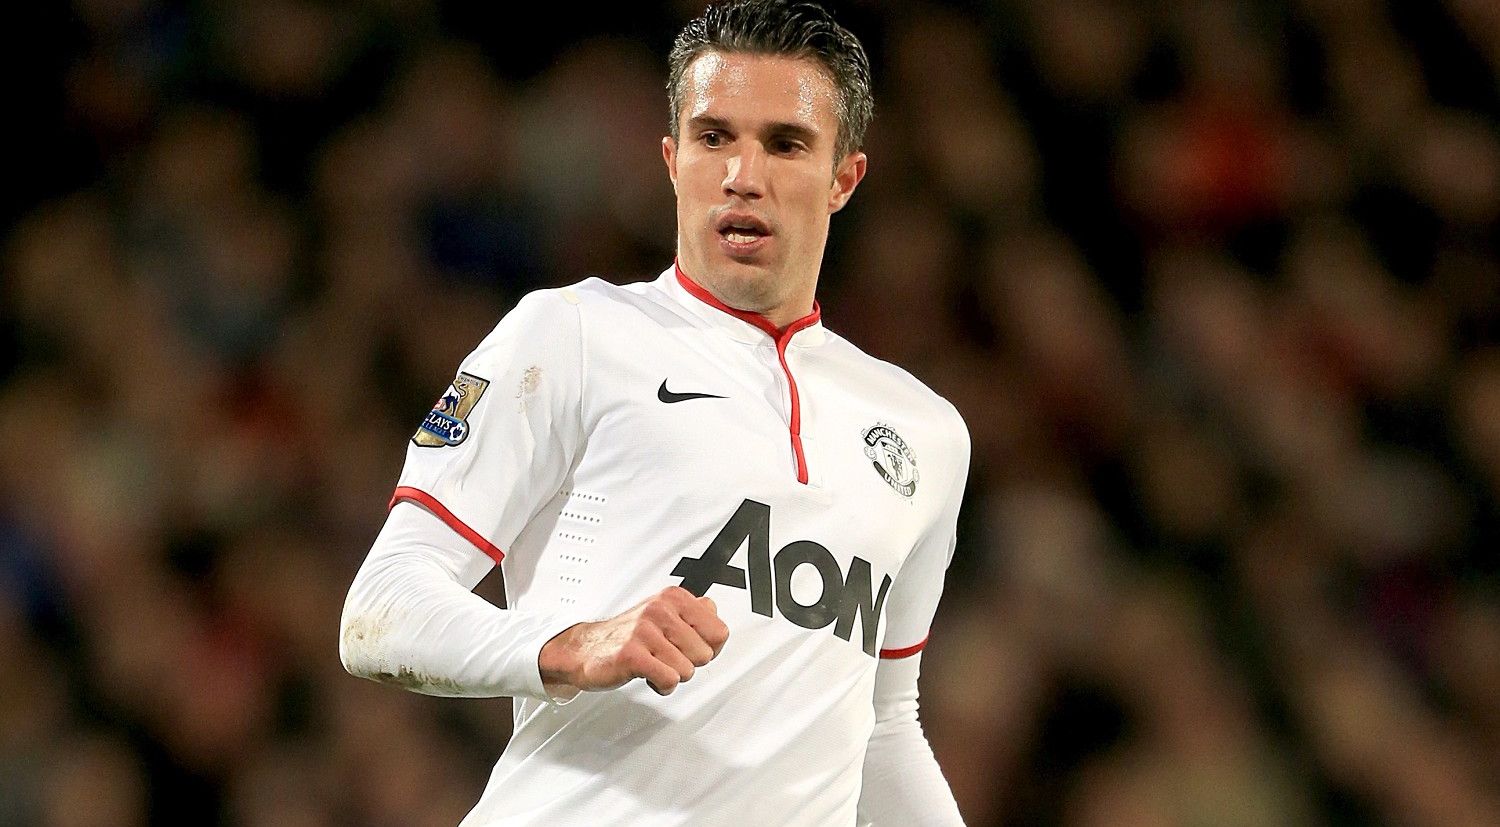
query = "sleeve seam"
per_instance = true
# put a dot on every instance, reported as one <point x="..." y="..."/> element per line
<point x="582" y="368"/>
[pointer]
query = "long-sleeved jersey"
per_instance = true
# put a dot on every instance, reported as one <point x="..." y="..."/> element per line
<point x="605" y="442"/>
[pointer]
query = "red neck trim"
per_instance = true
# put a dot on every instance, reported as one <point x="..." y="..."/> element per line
<point x="781" y="335"/>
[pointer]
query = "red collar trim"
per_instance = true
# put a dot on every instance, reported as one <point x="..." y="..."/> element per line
<point x="782" y="335"/>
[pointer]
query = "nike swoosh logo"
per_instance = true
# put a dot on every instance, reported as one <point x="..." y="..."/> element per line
<point x="668" y="397"/>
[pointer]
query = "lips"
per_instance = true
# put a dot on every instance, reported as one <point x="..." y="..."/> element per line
<point x="743" y="236"/>
<point x="741" y="228"/>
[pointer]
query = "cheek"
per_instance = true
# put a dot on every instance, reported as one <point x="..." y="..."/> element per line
<point x="812" y="198"/>
<point x="696" y="172"/>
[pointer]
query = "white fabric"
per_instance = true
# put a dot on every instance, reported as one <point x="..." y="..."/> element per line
<point x="412" y="619"/>
<point x="596" y="492"/>
<point x="903" y="786"/>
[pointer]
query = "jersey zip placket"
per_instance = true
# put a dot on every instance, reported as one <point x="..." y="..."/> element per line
<point x="782" y="338"/>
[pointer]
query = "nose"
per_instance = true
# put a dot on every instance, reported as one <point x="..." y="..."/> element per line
<point x="745" y="173"/>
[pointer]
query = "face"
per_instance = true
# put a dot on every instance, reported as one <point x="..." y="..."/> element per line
<point x="756" y="179"/>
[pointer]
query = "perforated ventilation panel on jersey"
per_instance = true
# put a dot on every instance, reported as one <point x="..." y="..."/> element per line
<point x="577" y="527"/>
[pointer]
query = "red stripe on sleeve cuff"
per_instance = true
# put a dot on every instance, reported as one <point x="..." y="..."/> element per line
<point x="904" y="653"/>
<point x="429" y="502"/>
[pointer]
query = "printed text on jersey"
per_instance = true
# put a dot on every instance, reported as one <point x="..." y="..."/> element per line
<point x="843" y="599"/>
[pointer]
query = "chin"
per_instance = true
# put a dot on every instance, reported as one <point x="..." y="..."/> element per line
<point x="749" y="267"/>
<point x="744" y="285"/>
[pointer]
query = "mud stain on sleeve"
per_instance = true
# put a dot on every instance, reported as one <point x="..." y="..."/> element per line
<point x="407" y="678"/>
<point x="365" y="636"/>
<point x="531" y="379"/>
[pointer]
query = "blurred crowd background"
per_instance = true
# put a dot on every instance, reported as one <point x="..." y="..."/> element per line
<point x="1215" y="283"/>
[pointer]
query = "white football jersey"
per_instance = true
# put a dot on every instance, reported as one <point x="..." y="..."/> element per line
<point x="606" y="442"/>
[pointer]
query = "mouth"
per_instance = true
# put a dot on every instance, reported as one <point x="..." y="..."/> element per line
<point x="742" y="229"/>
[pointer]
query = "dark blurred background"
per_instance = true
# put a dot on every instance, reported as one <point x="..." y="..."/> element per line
<point x="1215" y="284"/>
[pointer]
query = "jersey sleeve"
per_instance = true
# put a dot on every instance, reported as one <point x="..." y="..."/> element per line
<point x="502" y="437"/>
<point x="919" y="584"/>
<point x="412" y="620"/>
<point x="903" y="784"/>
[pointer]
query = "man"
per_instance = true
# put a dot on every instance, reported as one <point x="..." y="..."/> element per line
<point x="723" y="528"/>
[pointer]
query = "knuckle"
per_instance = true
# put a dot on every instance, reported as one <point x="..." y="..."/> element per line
<point x="635" y="658"/>
<point x="643" y="629"/>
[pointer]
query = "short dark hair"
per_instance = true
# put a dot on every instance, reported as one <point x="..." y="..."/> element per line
<point x="780" y="27"/>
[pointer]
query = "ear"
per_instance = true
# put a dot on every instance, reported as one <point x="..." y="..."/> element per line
<point x="848" y="175"/>
<point x="669" y="155"/>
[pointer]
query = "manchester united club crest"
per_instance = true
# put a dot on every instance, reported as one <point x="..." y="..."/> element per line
<point x="448" y="421"/>
<point x="892" y="459"/>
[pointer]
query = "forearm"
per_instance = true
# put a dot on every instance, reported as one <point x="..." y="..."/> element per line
<point x="902" y="782"/>
<point x="411" y="619"/>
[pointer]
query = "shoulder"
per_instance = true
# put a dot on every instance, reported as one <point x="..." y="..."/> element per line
<point x="591" y="316"/>
<point x="554" y="311"/>
<point x="890" y="381"/>
<point x="542" y="324"/>
<point x="571" y="298"/>
<point x="602" y="306"/>
<point x="597" y="295"/>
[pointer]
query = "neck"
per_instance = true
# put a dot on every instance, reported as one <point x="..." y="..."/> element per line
<point x="787" y="315"/>
<point x="774" y="323"/>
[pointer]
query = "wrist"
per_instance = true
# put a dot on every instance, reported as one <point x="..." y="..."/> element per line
<point x="557" y="663"/>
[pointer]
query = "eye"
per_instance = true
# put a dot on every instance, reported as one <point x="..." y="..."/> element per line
<point x="786" y="146"/>
<point x="712" y="139"/>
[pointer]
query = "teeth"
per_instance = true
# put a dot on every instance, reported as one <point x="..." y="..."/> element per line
<point x="740" y="237"/>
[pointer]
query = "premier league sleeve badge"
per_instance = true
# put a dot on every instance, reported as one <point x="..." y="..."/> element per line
<point x="448" y="421"/>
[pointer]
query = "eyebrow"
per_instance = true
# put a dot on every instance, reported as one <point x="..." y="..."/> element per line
<point x="707" y="122"/>
<point x="777" y="129"/>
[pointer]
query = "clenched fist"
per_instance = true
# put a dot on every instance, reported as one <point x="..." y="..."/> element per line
<point x="663" y="639"/>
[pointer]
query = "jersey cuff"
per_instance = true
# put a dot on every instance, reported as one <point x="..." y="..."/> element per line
<point x="546" y="626"/>
<point x="406" y="493"/>
<point x="905" y="652"/>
